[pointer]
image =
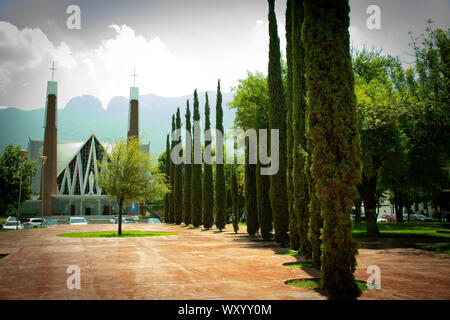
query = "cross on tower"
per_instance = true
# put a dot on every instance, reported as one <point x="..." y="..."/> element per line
<point x="134" y="75"/>
<point x="53" y="68"/>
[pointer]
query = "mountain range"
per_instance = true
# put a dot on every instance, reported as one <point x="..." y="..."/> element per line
<point x="84" y="115"/>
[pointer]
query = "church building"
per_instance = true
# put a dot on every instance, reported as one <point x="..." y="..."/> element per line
<point x="68" y="181"/>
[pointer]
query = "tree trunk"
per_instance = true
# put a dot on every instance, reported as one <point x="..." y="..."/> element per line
<point x="398" y="204"/>
<point x="358" y="203"/>
<point x="369" y="188"/>
<point x="119" y="232"/>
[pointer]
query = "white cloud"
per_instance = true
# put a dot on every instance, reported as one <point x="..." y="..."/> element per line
<point x="27" y="49"/>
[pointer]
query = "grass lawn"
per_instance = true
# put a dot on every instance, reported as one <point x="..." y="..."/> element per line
<point x="2" y="256"/>
<point x="113" y="234"/>
<point x="314" y="284"/>
<point x="298" y="264"/>
<point x="406" y="230"/>
<point x="437" y="247"/>
<point x="288" y="253"/>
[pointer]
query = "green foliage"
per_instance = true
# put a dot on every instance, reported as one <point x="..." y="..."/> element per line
<point x="196" y="186"/>
<point x="167" y="172"/>
<point x="264" y="208"/>
<point x="130" y="175"/>
<point x="335" y="143"/>
<point x="277" y="120"/>
<point x="178" y="182"/>
<point x="251" y="98"/>
<point x="187" y="212"/>
<point x="251" y="200"/>
<point x="293" y="225"/>
<point x="10" y="165"/>
<point x="235" y="200"/>
<point x="208" y="186"/>
<point x="172" y="179"/>
<point x="220" y="191"/>
<point x="299" y="155"/>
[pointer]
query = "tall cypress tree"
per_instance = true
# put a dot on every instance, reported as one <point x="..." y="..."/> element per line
<point x="187" y="170"/>
<point x="235" y="199"/>
<point x="208" y="186"/>
<point x="178" y="182"/>
<point x="264" y="209"/>
<point x="172" y="180"/>
<point x="299" y="156"/>
<point x="334" y="135"/>
<point x="167" y="172"/>
<point x="293" y="223"/>
<point x="196" y="186"/>
<point x="251" y="200"/>
<point x="277" y="119"/>
<point x="220" y="190"/>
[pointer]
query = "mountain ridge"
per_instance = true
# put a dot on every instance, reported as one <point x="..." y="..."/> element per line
<point x="84" y="115"/>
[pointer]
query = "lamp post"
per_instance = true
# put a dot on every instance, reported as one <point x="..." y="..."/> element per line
<point x="23" y="154"/>
<point x="43" y="159"/>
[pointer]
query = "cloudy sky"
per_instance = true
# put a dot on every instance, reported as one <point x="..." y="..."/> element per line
<point x="175" y="45"/>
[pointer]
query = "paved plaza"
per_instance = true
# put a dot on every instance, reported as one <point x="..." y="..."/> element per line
<point x="194" y="264"/>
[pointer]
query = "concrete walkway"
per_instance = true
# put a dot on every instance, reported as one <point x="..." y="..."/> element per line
<point x="194" y="264"/>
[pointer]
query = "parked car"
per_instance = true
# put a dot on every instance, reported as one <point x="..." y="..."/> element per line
<point x="32" y="222"/>
<point x="49" y="222"/>
<point x="77" y="221"/>
<point x="128" y="220"/>
<point x="419" y="217"/>
<point x="153" y="220"/>
<point x="12" y="225"/>
<point x="381" y="219"/>
<point x="388" y="217"/>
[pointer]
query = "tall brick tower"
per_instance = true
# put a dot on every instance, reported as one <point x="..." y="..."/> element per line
<point x="133" y="114"/>
<point x="50" y="147"/>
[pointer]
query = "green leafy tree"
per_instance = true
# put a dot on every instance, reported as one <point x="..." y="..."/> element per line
<point x="335" y="143"/>
<point x="178" y="182"/>
<point x="277" y="120"/>
<point x="220" y="191"/>
<point x="187" y="213"/>
<point x="196" y="186"/>
<point x="250" y="100"/>
<point x="208" y="185"/>
<point x="130" y="175"/>
<point x="10" y="164"/>
<point x="381" y="101"/>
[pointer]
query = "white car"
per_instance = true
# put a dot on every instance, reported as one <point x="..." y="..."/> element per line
<point x="77" y="221"/>
<point x="32" y="222"/>
<point x="12" y="225"/>
<point x="380" y="219"/>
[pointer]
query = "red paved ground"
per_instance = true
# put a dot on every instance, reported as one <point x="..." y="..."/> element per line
<point x="195" y="264"/>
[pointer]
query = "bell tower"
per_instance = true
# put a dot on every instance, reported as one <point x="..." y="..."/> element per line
<point x="133" y="113"/>
<point x="48" y="182"/>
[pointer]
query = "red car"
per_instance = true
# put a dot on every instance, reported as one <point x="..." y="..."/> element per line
<point x="389" y="218"/>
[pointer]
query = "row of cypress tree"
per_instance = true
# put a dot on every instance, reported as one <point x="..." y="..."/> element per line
<point x="323" y="145"/>
<point x="194" y="198"/>
<point x="312" y="194"/>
